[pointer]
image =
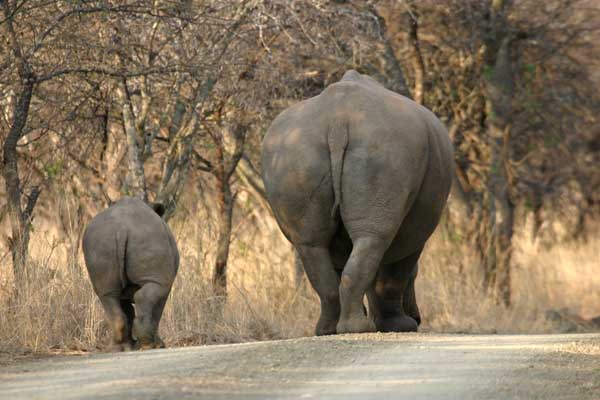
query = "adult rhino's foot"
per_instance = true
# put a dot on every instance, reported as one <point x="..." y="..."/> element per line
<point x="401" y="323"/>
<point x="326" y="327"/>
<point x="359" y="324"/>
<point x="330" y="313"/>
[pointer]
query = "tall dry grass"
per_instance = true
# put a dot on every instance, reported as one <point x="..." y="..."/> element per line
<point x="563" y="278"/>
<point x="59" y="311"/>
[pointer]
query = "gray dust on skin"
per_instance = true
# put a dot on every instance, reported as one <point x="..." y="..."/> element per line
<point x="366" y="366"/>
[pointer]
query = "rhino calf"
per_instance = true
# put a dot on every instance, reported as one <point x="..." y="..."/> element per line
<point x="132" y="258"/>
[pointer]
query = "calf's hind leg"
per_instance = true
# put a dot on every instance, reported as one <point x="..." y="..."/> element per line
<point x="129" y="311"/>
<point x="156" y="316"/>
<point x="149" y="303"/>
<point x="118" y="323"/>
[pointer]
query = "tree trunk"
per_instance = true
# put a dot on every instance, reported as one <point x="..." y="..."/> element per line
<point x="137" y="178"/>
<point x="253" y="182"/>
<point x="20" y="219"/>
<point x="499" y="87"/>
<point x="226" y="202"/>
<point x="182" y="133"/>
<point x="392" y="65"/>
<point x="417" y="59"/>
<point x="223" y="171"/>
<point x="175" y="172"/>
<point x="501" y="215"/>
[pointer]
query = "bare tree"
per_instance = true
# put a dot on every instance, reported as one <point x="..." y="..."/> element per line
<point x="498" y="90"/>
<point x="492" y="71"/>
<point x="20" y="203"/>
<point x="226" y="163"/>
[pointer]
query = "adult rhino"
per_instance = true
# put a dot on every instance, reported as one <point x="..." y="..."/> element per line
<point x="131" y="257"/>
<point x="357" y="178"/>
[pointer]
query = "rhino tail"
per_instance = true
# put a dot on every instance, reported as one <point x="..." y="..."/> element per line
<point x="121" y="242"/>
<point x="337" y="140"/>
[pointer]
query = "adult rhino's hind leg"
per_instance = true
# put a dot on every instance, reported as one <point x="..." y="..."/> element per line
<point x="300" y="195"/>
<point x="323" y="278"/>
<point x="358" y="275"/>
<point x="394" y="297"/>
<point x="409" y="302"/>
<point x="118" y="323"/>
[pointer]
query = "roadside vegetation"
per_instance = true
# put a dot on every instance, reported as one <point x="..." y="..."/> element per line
<point x="168" y="101"/>
<point x="58" y="312"/>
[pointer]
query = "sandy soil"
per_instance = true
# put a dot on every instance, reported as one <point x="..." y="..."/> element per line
<point x="368" y="366"/>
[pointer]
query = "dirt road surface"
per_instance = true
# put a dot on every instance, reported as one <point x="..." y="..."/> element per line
<point x="368" y="366"/>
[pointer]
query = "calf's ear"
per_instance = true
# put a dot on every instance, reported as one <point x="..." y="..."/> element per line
<point x="158" y="208"/>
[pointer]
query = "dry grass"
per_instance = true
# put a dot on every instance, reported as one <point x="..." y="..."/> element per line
<point x="58" y="311"/>
<point x="563" y="278"/>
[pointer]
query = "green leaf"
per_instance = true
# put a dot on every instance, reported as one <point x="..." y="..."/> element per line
<point x="487" y="71"/>
<point x="54" y="169"/>
<point x="529" y="68"/>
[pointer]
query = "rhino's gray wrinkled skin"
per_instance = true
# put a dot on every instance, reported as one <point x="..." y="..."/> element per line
<point x="357" y="178"/>
<point x="131" y="257"/>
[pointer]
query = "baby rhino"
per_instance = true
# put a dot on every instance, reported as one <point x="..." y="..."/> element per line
<point x="132" y="258"/>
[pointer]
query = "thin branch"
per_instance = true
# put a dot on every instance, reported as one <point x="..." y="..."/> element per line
<point x="111" y="73"/>
<point x="31" y="201"/>
<point x="206" y="165"/>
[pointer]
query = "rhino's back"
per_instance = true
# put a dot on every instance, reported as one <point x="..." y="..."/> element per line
<point x="372" y="114"/>
<point x="385" y="131"/>
<point x="148" y="247"/>
<point x="131" y="214"/>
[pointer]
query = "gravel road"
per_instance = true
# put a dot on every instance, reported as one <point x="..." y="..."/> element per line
<point x="368" y="366"/>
